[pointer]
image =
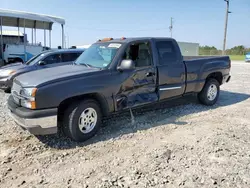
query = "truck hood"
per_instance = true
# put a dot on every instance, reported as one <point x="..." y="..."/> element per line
<point x="51" y="75"/>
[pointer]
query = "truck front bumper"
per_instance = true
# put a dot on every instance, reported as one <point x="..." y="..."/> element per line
<point x="37" y="122"/>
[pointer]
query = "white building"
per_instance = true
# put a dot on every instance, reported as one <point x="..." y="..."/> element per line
<point x="189" y="49"/>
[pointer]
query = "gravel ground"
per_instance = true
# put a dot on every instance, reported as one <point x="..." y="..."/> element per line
<point x="187" y="145"/>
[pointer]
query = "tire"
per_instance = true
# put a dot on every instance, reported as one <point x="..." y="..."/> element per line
<point x="72" y="120"/>
<point x="210" y="92"/>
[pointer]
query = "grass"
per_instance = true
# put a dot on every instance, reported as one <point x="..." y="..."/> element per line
<point x="237" y="57"/>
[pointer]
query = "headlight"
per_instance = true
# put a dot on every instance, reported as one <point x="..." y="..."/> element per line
<point x="28" y="97"/>
<point x="6" y="72"/>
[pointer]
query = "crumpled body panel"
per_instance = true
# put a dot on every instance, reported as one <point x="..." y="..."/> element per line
<point x="137" y="89"/>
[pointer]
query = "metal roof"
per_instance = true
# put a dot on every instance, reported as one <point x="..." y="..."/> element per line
<point x="11" y="33"/>
<point x="15" y="18"/>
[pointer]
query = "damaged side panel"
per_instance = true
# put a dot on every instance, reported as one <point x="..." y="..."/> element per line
<point x="138" y="88"/>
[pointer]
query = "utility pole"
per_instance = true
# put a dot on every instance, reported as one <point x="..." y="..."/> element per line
<point x="225" y="29"/>
<point x="171" y="27"/>
<point x="65" y="41"/>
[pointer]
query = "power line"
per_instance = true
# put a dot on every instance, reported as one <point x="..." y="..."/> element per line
<point x="104" y="29"/>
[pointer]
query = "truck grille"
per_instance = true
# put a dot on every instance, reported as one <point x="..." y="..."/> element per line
<point x="15" y="92"/>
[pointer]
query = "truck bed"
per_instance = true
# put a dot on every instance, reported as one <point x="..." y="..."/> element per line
<point x="199" y="67"/>
<point x="185" y="58"/>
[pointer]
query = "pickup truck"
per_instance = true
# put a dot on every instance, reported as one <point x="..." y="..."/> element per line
<point x="111" y="76"/>
<point x="45" y="59"/>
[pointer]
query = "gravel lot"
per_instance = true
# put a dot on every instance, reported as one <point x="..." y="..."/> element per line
<point x="187" y="145"/>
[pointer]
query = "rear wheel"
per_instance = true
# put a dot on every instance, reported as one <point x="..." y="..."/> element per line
<point x="210" y="92"/>
<point x="82" y="120"/>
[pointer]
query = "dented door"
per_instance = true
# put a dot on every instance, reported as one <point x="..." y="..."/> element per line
<point x="138" y="87"/>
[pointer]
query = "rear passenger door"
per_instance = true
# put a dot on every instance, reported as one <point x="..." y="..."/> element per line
<point x="171" y="69"/>
<point x="52" y="60"/>
<point x="69" y="58"/>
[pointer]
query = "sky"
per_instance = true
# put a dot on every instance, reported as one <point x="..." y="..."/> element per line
<point x="199" y="21"/>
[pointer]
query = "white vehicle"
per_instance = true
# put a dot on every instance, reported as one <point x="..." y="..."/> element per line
<point x="84" y="46"/>
<point x="81" y="47"/>
<point x="14" y="53"/>
<point x="13" y="47"/>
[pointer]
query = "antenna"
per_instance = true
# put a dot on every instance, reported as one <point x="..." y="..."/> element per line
<point x="171" y="27"/>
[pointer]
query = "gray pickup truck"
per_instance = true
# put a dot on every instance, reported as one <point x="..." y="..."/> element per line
<point x="112" y="75"/>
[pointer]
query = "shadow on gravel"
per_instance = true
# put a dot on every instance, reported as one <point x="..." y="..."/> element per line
<point x="152" y="116"/>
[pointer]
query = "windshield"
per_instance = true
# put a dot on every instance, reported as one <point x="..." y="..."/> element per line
<point x="98" y="55"/>
<point x="35" y="59"/>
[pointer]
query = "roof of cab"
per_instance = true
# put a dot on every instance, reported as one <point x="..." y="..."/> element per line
<point x="127" y="40"/>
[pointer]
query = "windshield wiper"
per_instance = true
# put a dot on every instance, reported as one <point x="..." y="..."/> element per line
<point x="88" y="65"/>
<point x="85" y="64"/>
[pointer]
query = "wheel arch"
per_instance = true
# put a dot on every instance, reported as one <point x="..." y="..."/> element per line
<point x="99" y="98"/>
<point x="215" y="75"/>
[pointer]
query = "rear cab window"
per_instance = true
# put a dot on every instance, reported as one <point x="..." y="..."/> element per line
<point x="166" y="52"/>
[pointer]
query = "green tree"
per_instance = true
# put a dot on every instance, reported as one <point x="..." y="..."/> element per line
<point x="237" y="50"/>
<point x="211" y="50"/>
<point x="208" y="50"/>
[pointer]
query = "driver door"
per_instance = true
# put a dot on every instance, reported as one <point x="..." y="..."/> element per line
<point x="138" y="86"/>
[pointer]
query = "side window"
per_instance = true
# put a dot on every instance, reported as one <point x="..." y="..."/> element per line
<point x="140" y="53"/>
<point x="67" y="57"/>
<point x="166" y="52"/>
<point x="55" y="58"/>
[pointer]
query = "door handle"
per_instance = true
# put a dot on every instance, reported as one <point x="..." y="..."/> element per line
<point x="149" y="74"/>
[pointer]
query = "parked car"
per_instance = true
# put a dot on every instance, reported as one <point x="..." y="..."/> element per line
<point x="247" y="58"/>
<point x="45" y="59"/>
<point x="111" y="76"/>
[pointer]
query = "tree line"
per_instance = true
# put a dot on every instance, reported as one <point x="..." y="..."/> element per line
<point x="211" y="50"/>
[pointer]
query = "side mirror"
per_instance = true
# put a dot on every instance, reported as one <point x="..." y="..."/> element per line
<point x="41" y="63"/>
<point x="126" y="64"/>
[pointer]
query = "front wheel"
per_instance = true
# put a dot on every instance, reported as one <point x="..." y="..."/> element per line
<point x="210" y="92"/>
<point x="82" y="120"/>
